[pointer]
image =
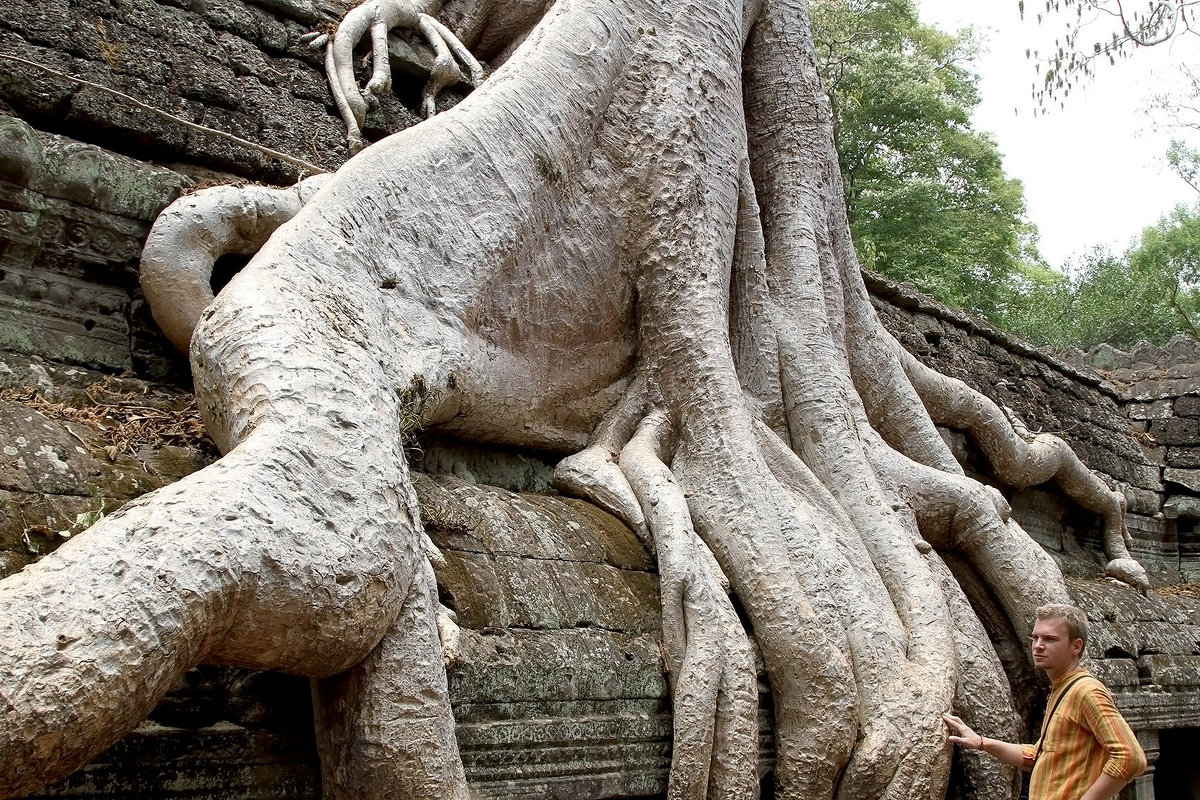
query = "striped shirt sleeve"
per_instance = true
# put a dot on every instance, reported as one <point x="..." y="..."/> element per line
<point x="1126" y="760"/>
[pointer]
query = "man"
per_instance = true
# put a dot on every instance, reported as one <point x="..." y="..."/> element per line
<point x="1086" y="750"/>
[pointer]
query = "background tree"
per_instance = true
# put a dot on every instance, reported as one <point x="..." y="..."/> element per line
<point x="1095" y="32"/>
<point x="1149" y="292"/>
<point x="926" y="194"/>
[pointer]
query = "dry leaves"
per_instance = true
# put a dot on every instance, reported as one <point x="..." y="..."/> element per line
<point x="128" y="421"/>
<point x="1191" y="590"/>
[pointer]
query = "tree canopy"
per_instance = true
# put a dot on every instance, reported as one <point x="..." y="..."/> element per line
<point x="926" y="193"/>
<point x="928" y="199"/>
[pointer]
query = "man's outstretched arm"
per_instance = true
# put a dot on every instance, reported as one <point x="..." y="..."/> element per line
<point x="962" y="735"/>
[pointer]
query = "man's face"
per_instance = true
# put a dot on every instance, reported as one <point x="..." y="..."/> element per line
<point x="1053" y="649"/>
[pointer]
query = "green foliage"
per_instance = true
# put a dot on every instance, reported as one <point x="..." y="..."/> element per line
<point x="1151" y="292"/>
<point x="1185" y="160"/>
<point x="927" y="196"/>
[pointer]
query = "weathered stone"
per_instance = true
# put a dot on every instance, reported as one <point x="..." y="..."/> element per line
<point x="1169" y="670"/>
<point x="1185" y="457"/>
<point x="1154" y="454"/>
<point x="1176" y="431"/>
<point x="1189" y="478"/>
<point x="1156" y="389"/>
<point x="1141" y="501"/>
<point x="20" y="152"/>
<point x="11" y="562"/>
<point x="1187" y="406"/>
<point x="1116" y="673"/>
<point x="1183" y="371"/>
<point x="1181" y="507"/>
<point x="1106" y="357"/>
<point x="1159" y="409"/>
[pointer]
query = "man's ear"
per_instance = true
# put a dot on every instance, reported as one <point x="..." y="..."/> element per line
<point x="1077" y="647"/>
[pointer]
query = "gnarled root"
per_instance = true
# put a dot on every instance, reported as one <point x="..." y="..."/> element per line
<point x="958" y="514"/>
<point x="94" y="635"/>
<point x="384" y="728"/>
<point x="594" y="474"/>
<point x="983" y="697"/>
<point x="714" y="685"/>
<point x="295" y="552"/>
<point x="194" y="231"/>
<point x="376" y="18"/>
<point x="707" y="652"/>
<point x="1020" y="461"/>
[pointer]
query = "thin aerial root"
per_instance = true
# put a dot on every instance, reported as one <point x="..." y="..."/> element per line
<point x="445" y="72"/>
<point x="449" y="633"/>
<point x="375" y="18"/>
<point x="706" y="649"/>
<point x="1020" y="461"/>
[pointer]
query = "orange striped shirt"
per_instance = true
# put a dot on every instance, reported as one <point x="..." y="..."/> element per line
<point x="1086" y="736"/>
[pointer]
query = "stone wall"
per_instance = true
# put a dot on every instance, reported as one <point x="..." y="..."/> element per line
<point x="231" y="66"/>
<point x="1159" y="390"/>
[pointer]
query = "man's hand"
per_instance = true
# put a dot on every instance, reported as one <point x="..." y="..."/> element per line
<point x="961" y="734"/>
<point x="1104" y="788"/>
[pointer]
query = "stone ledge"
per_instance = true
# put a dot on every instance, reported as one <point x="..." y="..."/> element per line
<point x="907" y="296"/>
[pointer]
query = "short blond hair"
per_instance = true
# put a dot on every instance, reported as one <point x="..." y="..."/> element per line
<point x="1077" y="621"/>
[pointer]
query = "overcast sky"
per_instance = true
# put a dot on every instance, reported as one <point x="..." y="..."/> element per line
<point x="1095" y="172"/>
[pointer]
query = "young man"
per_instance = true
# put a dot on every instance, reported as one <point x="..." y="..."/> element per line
<point x="1086" y="750"/>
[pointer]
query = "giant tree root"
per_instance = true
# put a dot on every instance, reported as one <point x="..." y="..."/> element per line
<point x="1020" y="459"/>
<point x="633" y="233"/>
<point x="192" y="233"/>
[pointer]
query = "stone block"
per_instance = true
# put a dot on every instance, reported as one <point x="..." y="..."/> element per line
<point x="1183" y="371"/>
<point x="1107" y="357"/>
<point x="1185" y="457"/>
<point x="1176" y="431"/>
<point x="1189" y="478"/>
<point x="304" y="11"/>
<point x="1158" y="388"/>
<point x="1161" y="669"/>
<point x="512" y="666"/>
<point x="1141" y="501"/>
<point x="1182" y="507"/>
<point x="1155" y="455"/>
<point x="1183" y="349"/>
<point x="1187" y="406"/>
<point x="1116" y="673"/>
<point x="1146" y="353"/>
<point x="1156" y="409"/>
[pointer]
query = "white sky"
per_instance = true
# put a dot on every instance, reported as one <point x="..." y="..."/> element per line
<point x="1095" y="172"/>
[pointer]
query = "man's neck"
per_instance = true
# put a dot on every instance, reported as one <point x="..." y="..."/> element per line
<point x="1056" y="675"/>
